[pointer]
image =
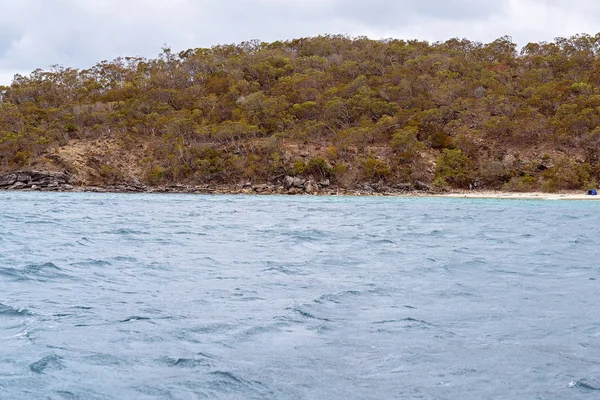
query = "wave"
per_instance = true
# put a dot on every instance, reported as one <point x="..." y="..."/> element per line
<point x="228" y="382"/>
<point x="8" y="311"/>
<point x="585" y="384"/>
<point x="306" y="314"/>
<point x="336" y="298"/>
<point x="41" y="272"/>
<point x="183" y="362"/>
<point x="51" y="361"/>
<point x="135" y="318"/>
<point x="91" y="263"/>
<point x="124" y="231"/>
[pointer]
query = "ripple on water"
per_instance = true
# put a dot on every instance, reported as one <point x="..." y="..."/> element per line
<point x="41" y="272"/>
<point x="586" y="384"/>
<point x="91" y="263"/>
<point x="303" y="312"/>
<point x="51" y="361"/>
<point x="135" y="318"/>
<point x="8" y="311"/>
<point x="336" y="298"/>
<point x="126" y="232"/>
<point x="225" y="382"/>
<point x="287" y="268"/>
<point x="183" y="362"/>
<point x="104" y="360"/>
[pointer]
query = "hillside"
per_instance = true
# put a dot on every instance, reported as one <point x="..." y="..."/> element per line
<point x="346" y="111"/>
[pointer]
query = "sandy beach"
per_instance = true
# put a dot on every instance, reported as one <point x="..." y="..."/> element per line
<point x="575" y="195"/>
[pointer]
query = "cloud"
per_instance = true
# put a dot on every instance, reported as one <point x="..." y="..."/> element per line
<point x="79" y="33"/>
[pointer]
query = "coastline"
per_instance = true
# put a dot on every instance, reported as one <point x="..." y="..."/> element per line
<point x="46" y="181"/>
<point x="236" y="190"/>
<point x="485" y="194"/>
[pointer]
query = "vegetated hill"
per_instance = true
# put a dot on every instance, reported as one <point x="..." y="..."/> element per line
<point x="351" y="110"/>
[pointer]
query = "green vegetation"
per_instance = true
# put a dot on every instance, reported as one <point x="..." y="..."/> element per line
<point x="350" y="110"/>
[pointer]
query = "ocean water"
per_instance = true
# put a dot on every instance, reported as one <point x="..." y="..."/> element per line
<point x="121" y="296"/>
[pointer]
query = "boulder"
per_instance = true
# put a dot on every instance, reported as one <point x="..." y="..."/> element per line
<point x="289" y="182"/>
<point x="260" y="188"/>
<point x="367" y="188"/>
<point x="21" y="179"/>
<point x="403" y="187"/>
<point x="423" y="186"/>
<point x="19" y="185"/>
<point x="311" y="187"/>
<point x="8" y="180"/>
<point x="380" y="188"/>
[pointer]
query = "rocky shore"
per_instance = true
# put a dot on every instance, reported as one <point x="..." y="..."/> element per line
<point x="288" y="185"/>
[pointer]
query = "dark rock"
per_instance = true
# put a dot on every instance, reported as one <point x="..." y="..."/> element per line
<point x="381" y="188"/>
<point x="403" y="187"/>
<point x="311" y="187"/>
<point x="8" y="180"/>
<point x="423" y="186"/>
<point x="324" y="183"/>
<point x="95" y="189"/>
<point x="289" y="182"/>
<point x="19" y="185"/>
<point x="260" y="187"/>
<point x="22" y="179"/>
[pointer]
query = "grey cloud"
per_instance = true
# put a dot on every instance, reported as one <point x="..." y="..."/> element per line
<point x="400" y="12"/>
<point x="79" y="33"/>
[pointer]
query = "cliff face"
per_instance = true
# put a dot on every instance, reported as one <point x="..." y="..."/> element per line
<point x="352" y="112"/>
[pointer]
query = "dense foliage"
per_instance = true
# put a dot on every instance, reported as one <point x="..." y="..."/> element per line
<point x="455" y="113"/>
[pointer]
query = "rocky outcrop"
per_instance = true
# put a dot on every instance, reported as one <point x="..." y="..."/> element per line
<point x="35" y="180"/>
<point x="293" y="182"/>
<point x="60" y="181"/>
<point x="423" y="186"/>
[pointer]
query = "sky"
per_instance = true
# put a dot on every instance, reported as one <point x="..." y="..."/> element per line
<point x="80" y="33"/>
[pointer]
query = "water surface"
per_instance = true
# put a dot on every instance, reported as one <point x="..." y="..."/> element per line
<point x="115" y="296"/>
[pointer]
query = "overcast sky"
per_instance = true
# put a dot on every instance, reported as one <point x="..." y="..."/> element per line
<point x="79" y="33"/>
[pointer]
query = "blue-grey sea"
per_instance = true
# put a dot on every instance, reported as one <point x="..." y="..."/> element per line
<point x="123" y="296"/>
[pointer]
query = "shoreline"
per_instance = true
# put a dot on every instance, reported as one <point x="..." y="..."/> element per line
<point x="235" y="190"/>
<point x="46" y="181"/>
<point x="571" y="195"/>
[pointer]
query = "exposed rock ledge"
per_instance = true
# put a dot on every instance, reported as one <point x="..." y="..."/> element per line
<point x="59" y="181"/>
<point x="35" y="180"/>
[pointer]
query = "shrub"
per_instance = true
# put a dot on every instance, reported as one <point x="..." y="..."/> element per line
<point x="110" y="174"/>
<point x="375" y="169"/>
<point x="21" y="158"/>
<point x="566" y="174"/>
<point x="525" y="183"/>
<point x="298" y="168"/>
<point x="339" y="170"/>
<point x="319" y="167"/>
<point x="406" y="145"/>
<point x="155" y="174"/>
<point x="454" y="168"/>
